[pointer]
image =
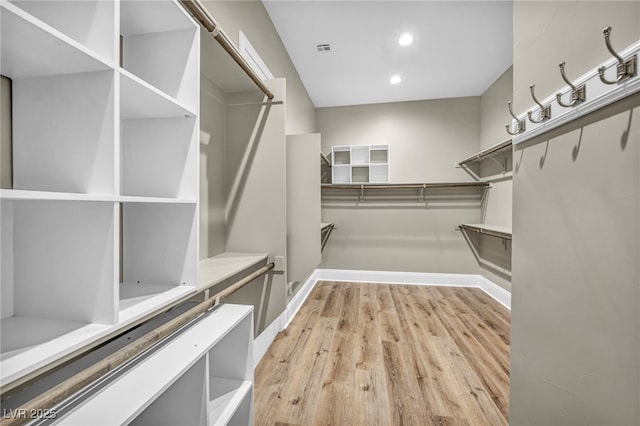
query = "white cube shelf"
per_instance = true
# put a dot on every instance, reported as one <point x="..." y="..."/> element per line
<point x="360" y="163"/>
<point x="105" y="172"/>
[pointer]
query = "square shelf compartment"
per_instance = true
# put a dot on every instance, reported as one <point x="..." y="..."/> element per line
<point x="231" y="377"/>
<point x="379" y="173"/>
<point x="71" y="149"/>
<point x="379" y="155"/>
<point x="89" y="22"/>
<point x="160" y="45"/>
<point x="58" y="278"/>
<point x="183" y="403"/>
<point x="159" y="157"/>
<point x="341" y="156"/>
<point x="360" y="174"/>
<point x="341" y="173"/>
<point x="159" y="251"/>
<point x="31" y="48"/>
<point x="360" y="155"/>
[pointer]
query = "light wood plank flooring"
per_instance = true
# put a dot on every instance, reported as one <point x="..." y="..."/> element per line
<point x="373" y="354"/>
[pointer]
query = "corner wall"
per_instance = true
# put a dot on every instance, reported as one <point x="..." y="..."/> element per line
<point x="576" y="277"/>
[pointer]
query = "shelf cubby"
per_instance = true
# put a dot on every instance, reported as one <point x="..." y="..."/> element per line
<point x="341" y="155"/>
<point x="160" y="44"/>
<point x="72" y="146"/>
<point x="159" y="249"/>
<point x="58" y="276"/>
<point x="359" y="174"/>
<point x="90" y="23"/>
<point x="183" y="403"/>
<point x="159" y="157"/>
<point x="360" y="155"/>
<point x="31" y="48"/>
<point x="341" y="173"/>
<point x="231" y="378"/>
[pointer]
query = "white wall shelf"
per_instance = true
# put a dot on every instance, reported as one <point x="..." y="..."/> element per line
<point x="105" y="173"/>
<point x="182" y="382"/>
<point x="360" y="163"/>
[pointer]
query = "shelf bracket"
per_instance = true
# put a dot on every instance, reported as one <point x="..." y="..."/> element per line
<point x="421" y="197"/>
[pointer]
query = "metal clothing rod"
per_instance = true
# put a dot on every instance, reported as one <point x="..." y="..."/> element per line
<point x="486" y="152"/>
<point x="85" y="377"/>
<point x="486" y="231"/>
<point x="200" y="13"/>
<point x="405" y="185"/>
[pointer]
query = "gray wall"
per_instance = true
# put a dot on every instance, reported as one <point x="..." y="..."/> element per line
<point x="252" y="18"/>
<point x="426" y="139"/>
<point x="576" y="249"/>
<point x="497" y="208"/>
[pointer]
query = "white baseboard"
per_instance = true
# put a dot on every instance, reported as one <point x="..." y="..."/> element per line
<point x="264" y="340"/>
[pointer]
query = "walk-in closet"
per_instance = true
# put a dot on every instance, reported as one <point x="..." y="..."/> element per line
<point x="268" y="212"/>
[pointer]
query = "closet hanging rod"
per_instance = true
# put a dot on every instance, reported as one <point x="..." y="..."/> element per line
<point x="486" y="152"/>
<point x="80" y="380"/>
<point x="404" y="185"/>
<point x="200" y="13"/>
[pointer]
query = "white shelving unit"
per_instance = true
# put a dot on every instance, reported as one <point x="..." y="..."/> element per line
<point x="360" y="163"/>
<point x="190" y="380"/>
<point x="100" y="228"/>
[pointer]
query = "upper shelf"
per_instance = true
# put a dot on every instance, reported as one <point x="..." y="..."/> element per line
<point x="487" y="152"/>
<point x="492" y="230"/>
<point x="216" y="269"/>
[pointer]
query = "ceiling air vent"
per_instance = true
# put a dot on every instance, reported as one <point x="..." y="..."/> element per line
<point x="323" y="47"/>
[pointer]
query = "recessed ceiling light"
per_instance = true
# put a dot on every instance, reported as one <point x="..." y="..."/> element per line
<point x="395" y="79"/>
<point x="405" y="39"/>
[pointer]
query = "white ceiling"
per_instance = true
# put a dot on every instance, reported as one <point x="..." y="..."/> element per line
<point x="460" y="47"/>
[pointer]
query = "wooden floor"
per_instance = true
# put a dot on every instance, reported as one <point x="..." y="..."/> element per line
<point x="373" y="354"/>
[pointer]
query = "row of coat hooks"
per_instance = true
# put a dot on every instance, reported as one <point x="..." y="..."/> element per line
<point x="626" y="69"/>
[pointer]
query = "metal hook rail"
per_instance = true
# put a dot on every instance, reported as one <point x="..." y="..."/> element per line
<point x="603" y="91"/>
<point x="84" y="378"/>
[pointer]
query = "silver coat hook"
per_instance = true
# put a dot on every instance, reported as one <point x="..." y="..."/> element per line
<point x="625" y="69"/>
<point x="520" y="124"/>
<point x="545" y="111"/>
<point x="578" y="94"/>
